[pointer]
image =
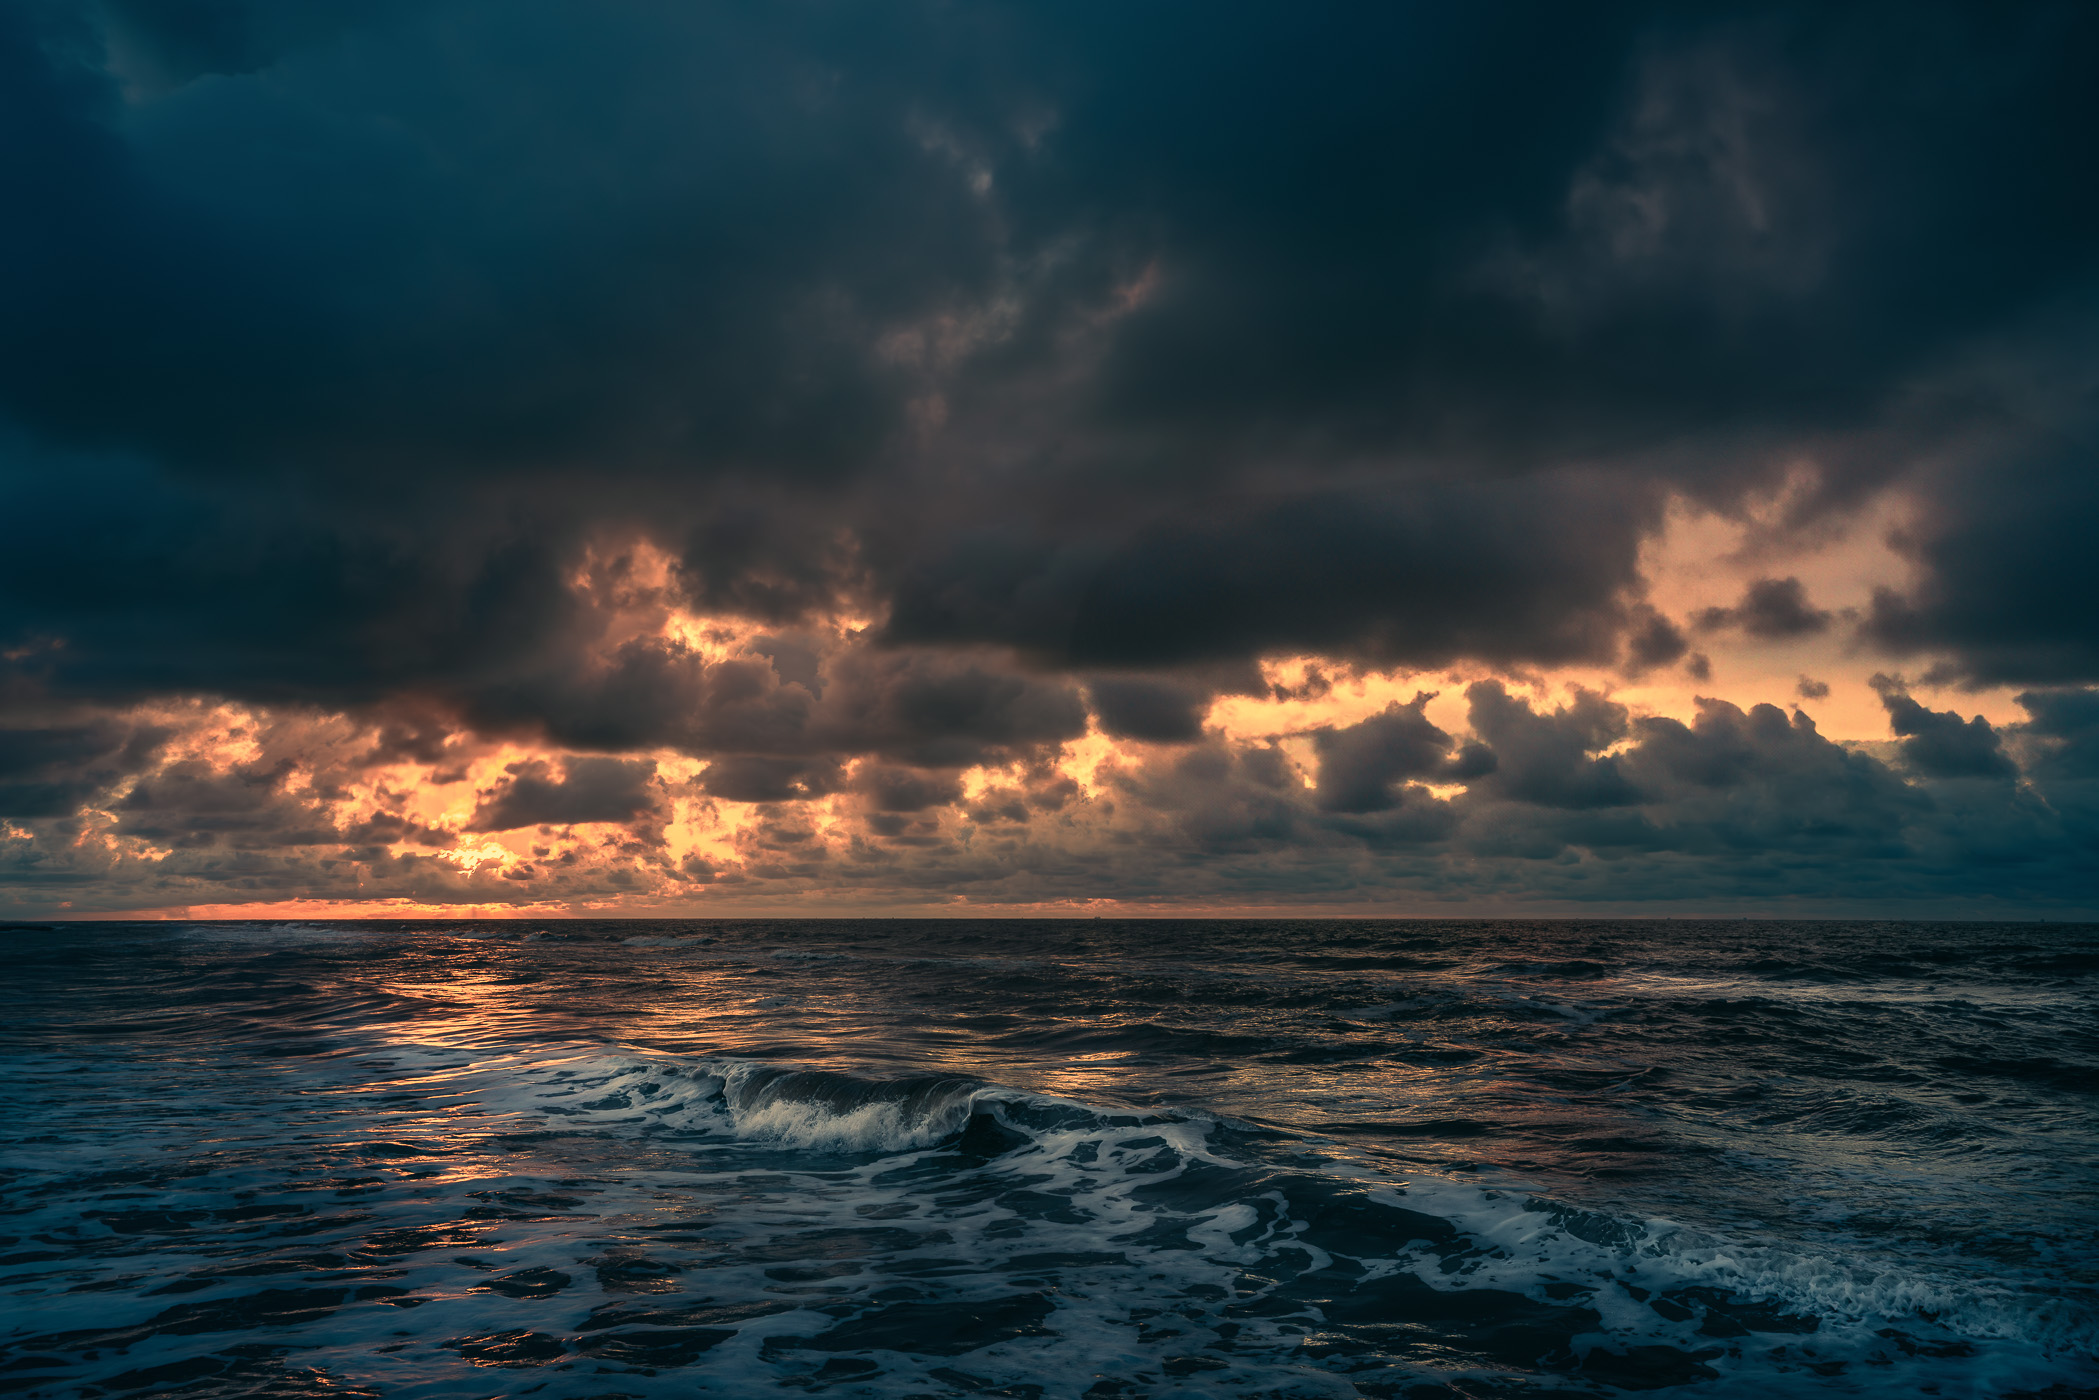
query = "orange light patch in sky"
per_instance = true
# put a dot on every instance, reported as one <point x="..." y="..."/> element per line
<point x="1703" y="560"/>
<point x="1700" y="560"/>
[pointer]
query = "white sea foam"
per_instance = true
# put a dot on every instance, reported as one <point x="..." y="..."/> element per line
<point x="1145" y="1242"/>
<point x="1520" y="1241"/>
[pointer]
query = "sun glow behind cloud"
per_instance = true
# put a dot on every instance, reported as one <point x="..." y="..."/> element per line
<point x="242" y="805"/>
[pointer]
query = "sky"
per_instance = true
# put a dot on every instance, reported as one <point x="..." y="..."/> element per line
<point x="646" y="457"/>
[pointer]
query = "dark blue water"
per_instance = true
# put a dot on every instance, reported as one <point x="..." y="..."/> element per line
<point x="1070" y="1159"/>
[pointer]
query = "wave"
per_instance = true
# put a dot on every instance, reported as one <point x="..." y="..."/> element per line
<point x="789" y="1105"/>
<point x="1196" y="1180"/>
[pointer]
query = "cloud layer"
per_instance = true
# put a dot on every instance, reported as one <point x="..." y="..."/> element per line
<point x="1568" y="805"/>
<point x="872" y="443"/>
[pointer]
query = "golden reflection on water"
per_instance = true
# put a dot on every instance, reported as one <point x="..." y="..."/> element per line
<point x="458" y="1009"/>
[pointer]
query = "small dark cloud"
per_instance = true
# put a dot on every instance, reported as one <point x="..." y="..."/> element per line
<point x="1312" y="683"/>
<point x="1157" y="711"/>
<point x="1653" y="641"/>
<point x="1811" y="689"/>
<point x="796" y="661"/>
<point x="587" y="790"/>
<point x="413" y="735"/>
<point x="758" y="778"/>
<point x="1771" y="609"/>
<point x="388" y="828"/>
<point x="890" y="789"/>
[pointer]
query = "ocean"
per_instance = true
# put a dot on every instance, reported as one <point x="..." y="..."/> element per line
<point x="1059" y="1160"/>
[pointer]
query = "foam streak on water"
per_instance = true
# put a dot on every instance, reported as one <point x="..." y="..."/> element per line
<point x="1050" y="1160"/>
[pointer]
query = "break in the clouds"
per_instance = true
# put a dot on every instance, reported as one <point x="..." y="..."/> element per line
<point x="650" y="454"/>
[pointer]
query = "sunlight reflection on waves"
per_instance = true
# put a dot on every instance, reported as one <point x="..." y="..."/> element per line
<point x="1218" y="1158"/>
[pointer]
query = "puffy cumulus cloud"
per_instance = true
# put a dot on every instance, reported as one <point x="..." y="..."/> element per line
<point x="1532" y="803"/>
<point x="1771" y="609"/>
<point x="807" y="449"/>
<point x="1136" y="707"/>
<point x="907" y="790"/>
<point x="763" y="778"/>
<point x="1760" y="784"/>
<point x="1939" y="744"/>
<point x="588" y="790"/>
<point x="1553" y="760"/>
<point x="1757" y="804"/>
<point x="1359" y="765"/>
<point x="1653" y="640"/>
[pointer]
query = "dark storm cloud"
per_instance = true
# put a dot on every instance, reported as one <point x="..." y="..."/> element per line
<point x="1553" y="760"/>
<point x="254" y="590"/>
<point x="352" y="352"/>
<point x="1137" y="707"/>
<point x="49" y="770"/>
<point x="2059" y="746"/>
<point x="1751" y="783"/>
<point x="930" y="709"/>
<point x="1215" y="801"/>
<point x="1759" y="804"/>
<point x="336" y="332"/>
<point x="2067" y="724"/>
<point x="1419" y="572"/>
<point x="587" y="790"/>
<point x="1360" y="765"/>
<point x="2010" y="586"/>
<point x="1942" y="744"/>
<point x="936" y="710"/>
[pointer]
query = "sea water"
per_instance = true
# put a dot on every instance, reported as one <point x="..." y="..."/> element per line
<point x="1050" y="1159"/>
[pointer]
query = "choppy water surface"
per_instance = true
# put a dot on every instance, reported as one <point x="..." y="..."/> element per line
<point x="1050" y="1159"/>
